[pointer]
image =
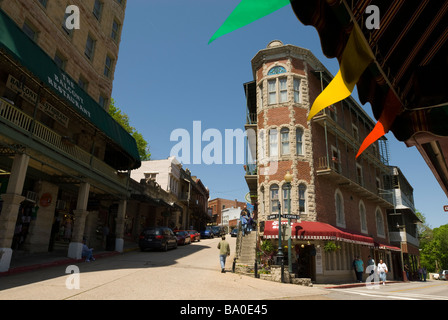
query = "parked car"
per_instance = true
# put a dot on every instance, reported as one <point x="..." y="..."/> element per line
<point x="183" y="237"/>
<point x="195" y="236"/>
<point x="157" y="238"/>
<point x="218" y="231"/>
<point x="207" y="233"/>
<point x="443" y="274"/>
<point x="234" y="232"/>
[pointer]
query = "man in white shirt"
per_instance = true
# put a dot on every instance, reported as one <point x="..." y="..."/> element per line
<point x="382" y="270"/>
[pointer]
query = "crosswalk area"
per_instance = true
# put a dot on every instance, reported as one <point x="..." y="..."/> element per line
<point x="373" y="294"/>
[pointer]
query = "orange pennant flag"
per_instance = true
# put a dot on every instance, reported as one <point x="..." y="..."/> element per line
<point x="391" y="109"/>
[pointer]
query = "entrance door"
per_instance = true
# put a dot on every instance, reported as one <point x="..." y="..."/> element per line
<point x="306" y="262"/>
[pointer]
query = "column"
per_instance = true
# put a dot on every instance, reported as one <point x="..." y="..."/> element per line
<point x="11" y="205"/>
<point x="119" y="226"/>
<point x="80" y="214"/>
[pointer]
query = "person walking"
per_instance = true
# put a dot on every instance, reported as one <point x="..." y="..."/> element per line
<point x="224" y="251"/>
<point x="359" y="268"/>
<point x="243" y="224"/>
<point x="382" y="271"/>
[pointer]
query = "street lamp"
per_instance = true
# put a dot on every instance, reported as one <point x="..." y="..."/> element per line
<point x="288" y="179"/>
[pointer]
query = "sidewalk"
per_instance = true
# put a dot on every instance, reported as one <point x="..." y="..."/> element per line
<point x="24" y="262"/>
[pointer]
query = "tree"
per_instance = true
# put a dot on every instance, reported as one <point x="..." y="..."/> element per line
<point x="433" y="245"/>
<point x="123" y="120"/>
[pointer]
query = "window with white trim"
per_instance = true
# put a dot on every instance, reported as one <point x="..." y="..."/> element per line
<point x="277" y="91"/>
<point x="363" y="217"/>
<point x="302" y="198"/>
<point x="339" y="205"/>
<point x="296" y="90"/>
<point x="299" y="142"/>
<point x="273" y="143"/>
<point x="284" y="137"/>
<point x="379" y="223"/>
<point x="274" y="198"/>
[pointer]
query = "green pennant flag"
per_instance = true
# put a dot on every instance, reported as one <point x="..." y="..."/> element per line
<point x="247" y="12"/>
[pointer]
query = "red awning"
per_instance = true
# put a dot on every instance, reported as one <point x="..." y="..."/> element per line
<point x="386" y="247"/>
<point x="308" y="230"/>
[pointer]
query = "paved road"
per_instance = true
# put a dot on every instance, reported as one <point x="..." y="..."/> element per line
<point x="190" y="272"/>
<point x="429" y="290"/>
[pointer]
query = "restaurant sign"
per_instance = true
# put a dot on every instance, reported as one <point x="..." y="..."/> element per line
<point x="32" y="97"/>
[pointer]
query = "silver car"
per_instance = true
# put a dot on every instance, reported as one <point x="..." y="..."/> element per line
<point x="443" y="274"/>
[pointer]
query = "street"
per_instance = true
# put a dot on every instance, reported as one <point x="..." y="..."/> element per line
<point x="429" y="290"/>
<point x="187" y="273"/>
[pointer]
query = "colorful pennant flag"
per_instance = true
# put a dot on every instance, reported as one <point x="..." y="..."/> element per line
<point x="247" y="12"/>
<point x="355" y="59"/>
<point x="392" y="107"/>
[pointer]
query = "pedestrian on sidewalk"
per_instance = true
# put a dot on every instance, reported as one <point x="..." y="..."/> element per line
<point x="224" y="251"/>
<point x="382" y="271"/>
<point x="359" y="268"/>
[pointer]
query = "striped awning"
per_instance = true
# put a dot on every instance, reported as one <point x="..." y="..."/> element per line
<point x="310" y="230"/>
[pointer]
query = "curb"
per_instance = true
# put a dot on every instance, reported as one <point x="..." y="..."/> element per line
<point x="65" y="261"/>
<point x="353" y="285"/>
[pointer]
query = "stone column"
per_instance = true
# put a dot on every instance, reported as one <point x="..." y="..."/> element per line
<point x="119" y="226"/>
<point x="80" y="214"/>
<point x="10" y="210"/>
<point x="40" y="229"/>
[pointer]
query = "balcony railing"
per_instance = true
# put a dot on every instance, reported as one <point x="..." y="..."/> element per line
<point x="332" y="166"/>
<point x="20" y="120"/>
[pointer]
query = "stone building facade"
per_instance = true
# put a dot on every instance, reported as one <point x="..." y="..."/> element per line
<point x="338" y="198"/>
<point x="64" y="161"/>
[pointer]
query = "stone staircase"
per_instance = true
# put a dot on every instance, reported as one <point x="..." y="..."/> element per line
<point x="247" y="252"/>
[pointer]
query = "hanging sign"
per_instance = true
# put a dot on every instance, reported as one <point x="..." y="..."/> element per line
<point x="45" y="200"/>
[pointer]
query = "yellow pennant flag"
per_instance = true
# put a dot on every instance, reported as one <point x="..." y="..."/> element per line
<point x="355" y="59"/>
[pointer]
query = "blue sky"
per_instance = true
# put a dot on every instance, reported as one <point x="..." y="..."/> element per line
<point x="167" y="77"/>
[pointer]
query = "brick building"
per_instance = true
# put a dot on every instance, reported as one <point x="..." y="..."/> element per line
<point x="339" y="198"/>
<point x="219" y="204"/>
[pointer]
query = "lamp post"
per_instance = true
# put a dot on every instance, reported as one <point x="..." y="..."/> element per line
<point x="280" y="250"/>
<point x="288" y="179"/>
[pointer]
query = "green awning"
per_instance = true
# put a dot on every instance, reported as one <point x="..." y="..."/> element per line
<point x="34" y="59"/>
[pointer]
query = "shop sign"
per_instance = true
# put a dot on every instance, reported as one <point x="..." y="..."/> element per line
<point x="45" y="200"/>
<point x="32" y="96"/>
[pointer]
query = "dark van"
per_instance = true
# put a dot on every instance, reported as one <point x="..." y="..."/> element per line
<point x="162" y="238"/>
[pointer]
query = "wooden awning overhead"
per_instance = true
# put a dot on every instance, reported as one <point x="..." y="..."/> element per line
<point x="406" y="81"/>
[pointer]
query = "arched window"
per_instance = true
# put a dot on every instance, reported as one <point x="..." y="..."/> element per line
<point x="379" y="223"/>
<point x="274" y="198"/>
<point x="363" y="217"/>
<point x="302" y="198"/>
<point x="339" y="204"/>
<point x="299" y="141"/>
<point x="276" y="70"/>
<point x="284" y="136"/>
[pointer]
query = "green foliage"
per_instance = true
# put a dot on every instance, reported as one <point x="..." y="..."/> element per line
<point x="267" y="246"/>
<point x="331" y="246"/>
<point x="433" y="246"/>
<point x="123" y="120"/>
